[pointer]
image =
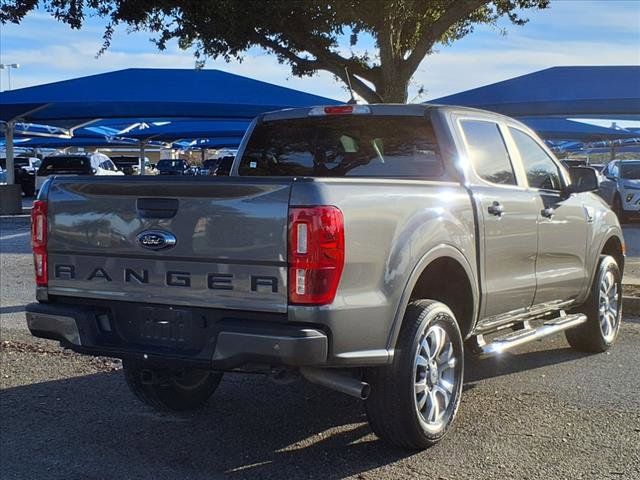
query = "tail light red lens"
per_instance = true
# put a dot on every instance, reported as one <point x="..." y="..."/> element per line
<point x="316" y="254"/>
<point x="39" y="241"/>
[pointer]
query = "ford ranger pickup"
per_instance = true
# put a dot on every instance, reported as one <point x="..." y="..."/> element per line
<point x="362" y="247"/>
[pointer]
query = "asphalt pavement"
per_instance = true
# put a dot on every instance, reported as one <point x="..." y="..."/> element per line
<point x="541" y="412"/>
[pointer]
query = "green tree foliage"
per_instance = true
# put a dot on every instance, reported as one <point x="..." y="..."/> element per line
<point x="308" y="35"/>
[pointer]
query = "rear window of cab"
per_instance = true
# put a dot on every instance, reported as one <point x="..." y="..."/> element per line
<point x="343" y="146"/>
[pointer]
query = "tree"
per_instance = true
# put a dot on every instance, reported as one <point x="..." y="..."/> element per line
<point x="308" y="35"/>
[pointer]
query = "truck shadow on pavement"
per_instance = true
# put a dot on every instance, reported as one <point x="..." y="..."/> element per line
<point x="507" y="363"/>
<point x="92" y="427"/>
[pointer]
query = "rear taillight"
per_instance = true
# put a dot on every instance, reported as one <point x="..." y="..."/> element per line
<point x="316" y="254"/>
<point x="39" y="241"/>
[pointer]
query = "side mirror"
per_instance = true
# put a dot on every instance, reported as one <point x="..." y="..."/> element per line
<point x="583" y="179"/>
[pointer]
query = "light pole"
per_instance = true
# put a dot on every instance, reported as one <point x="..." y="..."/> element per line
<point x="8" y="67"/>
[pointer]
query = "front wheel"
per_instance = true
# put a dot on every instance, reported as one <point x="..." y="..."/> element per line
<point x="414" y="401"/>
<point x="171" y="390"/>
<point x="603" y="309"/>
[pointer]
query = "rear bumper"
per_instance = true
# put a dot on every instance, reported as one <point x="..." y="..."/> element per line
<point x="229" y="343"/>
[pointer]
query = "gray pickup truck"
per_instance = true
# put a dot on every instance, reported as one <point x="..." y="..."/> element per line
<point x="364" y="248"/>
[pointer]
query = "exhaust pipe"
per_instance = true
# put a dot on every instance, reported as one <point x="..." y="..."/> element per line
<point x="337" y="381"/>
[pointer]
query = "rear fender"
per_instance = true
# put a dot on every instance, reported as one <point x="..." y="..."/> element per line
<point x="440" y="251"/>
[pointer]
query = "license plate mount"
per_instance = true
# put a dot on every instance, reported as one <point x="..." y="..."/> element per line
<point x="165" y="327"/>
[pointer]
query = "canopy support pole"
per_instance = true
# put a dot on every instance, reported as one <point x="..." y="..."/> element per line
<point x="141" y="162"/>
<point x="8" y="135"/>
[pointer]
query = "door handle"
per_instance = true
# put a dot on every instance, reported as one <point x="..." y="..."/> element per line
<point x="496" y="209"/>
<point x="548" y="212"/>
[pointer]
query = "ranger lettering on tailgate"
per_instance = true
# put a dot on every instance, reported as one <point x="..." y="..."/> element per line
<point x="214" y="281"/>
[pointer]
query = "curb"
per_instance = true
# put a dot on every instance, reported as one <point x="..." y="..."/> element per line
<point x="631" y="305"/>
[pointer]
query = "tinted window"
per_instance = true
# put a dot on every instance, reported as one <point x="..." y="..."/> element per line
<point x="338" y="146"/>
<point x="17" y="162"/>
<point x="108" y="165"/>
<point x="630" y="171"/>
<point x="488" y="152"/>
<point x="224" y="166"/>
<point x="171" y="165"/>
<point x="542" y="171"/>
<point x="70" y="165"/>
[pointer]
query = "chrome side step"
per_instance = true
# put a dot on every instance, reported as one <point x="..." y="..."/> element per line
<point x="528" y="334"/>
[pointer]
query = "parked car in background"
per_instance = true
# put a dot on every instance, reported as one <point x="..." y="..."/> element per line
<point x="24" y="169"/>
<point x="173" y="167"/>
<point x="222" y="167"/>
<point x="209" y="166"/>
<point x="130" y="165"/>
<point x="77" y="164"/>
<point x="621" y="187"/>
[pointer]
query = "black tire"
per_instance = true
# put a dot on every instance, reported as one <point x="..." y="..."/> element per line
<point x="393" y="405"/>
<point x="171" y="390"/>
<point x="592" y="335"/>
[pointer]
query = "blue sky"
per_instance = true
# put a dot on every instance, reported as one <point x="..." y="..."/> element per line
<point x="571" y="32"/>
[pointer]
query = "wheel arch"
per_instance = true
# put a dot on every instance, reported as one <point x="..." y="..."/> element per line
<point x="612" y="243"/>
<point x="440" y="259"/>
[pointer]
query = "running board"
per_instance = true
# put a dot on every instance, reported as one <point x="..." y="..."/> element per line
<point x="528" y="334"/>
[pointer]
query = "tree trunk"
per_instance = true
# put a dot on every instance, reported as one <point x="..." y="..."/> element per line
<point x="395" y="91"/>
<point x="394" y="84"/>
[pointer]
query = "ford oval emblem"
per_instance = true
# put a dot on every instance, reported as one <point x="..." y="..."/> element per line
<point x="156" y="239"/>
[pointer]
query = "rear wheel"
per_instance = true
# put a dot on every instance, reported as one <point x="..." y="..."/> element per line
<point x="603" y="310"/>
<point x="171" y="390"/>
<point x="414" y="401"/>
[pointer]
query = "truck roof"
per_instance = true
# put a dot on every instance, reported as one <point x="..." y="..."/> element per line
<point x="400" y="109"/>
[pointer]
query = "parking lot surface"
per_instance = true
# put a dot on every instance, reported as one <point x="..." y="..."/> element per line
<point x="543" y="411"/>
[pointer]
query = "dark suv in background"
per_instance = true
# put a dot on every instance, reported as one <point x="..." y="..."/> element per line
<point x="173" y="167"/>
<point x="24" y="169"/>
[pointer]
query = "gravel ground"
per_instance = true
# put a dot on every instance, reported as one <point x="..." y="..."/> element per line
<point x="541" y="412"/>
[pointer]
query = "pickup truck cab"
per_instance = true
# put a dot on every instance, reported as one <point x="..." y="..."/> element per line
<point x="362" y="247"/>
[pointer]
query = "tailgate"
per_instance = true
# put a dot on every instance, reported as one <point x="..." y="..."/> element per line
<point x="229" y="238"/>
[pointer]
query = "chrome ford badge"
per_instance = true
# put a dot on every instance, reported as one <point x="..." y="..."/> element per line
<point x="156" y="239"/>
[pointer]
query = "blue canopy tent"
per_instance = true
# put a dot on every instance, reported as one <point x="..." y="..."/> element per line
<point x="563" y="129"/>
<point x="138" y="128"/>
<point x="52" y="142"/>
<point x="214" y="143"/>
<point x="170" y="130"/>
<point x="144" y="95"/>
<point x="591" y="92"/>
<point x="150" y="93"/>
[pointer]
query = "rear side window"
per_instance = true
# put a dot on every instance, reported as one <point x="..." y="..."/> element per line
<point x="108" y="165"/>
<point x="343" y="146"/>
<point x="68" y="165"/>
<point x="488" y="152"/>
<point x="542" y="171"/>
